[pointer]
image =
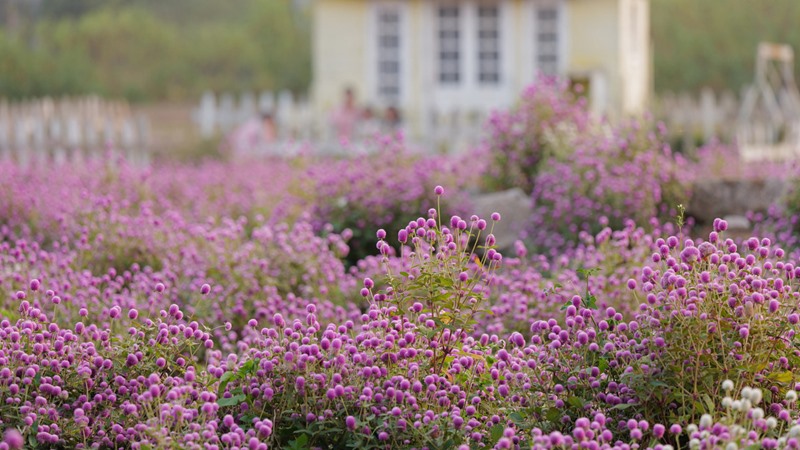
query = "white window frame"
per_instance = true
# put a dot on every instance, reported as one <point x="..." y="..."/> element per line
<point x="389" y="86"/>
<point x="559" y="29"/>
<point x="374" y="98"/>
<point x="547" y="38"/>
<point x="489" y="58"/>
<point x="450" y="72"/>
<point x="469" y="94"/>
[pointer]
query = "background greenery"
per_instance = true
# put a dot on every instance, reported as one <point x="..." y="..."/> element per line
<point x="152" y="49"/>
<point x="173" y="50"/>
<point x="713" y="43"/>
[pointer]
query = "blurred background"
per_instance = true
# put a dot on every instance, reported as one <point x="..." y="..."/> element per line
<point x="180" y="76"/>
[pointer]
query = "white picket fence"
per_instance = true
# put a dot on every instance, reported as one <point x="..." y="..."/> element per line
<point x="299" y="123"/>
<point x="699" y="118"/>
<point x="696" y="119"/>
<point x="71" y="129"/>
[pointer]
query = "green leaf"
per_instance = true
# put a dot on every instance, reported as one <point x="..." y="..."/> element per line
<point x="553" y="415"/>
<point x="223" y="382"/>
<point x="622" y="406"/>
<point x="709" y="403"/>
<point x="301" y="443"/>
<point x="232" y="401"/>
<point x="590" y="301"/>
<point x="496" y="432"/>
<point x="517" y="418"/>
<point x="781" y="377"/>
<point x="575" y="402"/>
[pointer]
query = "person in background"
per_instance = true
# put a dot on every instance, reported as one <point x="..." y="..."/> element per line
<point x="270" y="128"/>
<point x="254" y="137"/>
<point x="345" y="118"/>
<point x="392" y="122"/>
<point x="369" y="125"/>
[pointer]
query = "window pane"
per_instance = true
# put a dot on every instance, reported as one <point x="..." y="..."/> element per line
<point x="449" y="41"/>
<point x="388" y="55"/>
<point x="547" y="39"/>
<point x="489" y="44"/>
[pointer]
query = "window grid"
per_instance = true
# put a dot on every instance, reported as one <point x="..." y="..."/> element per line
<point x="389" y="53"/>
<point x="449" y="41"/>
<point x="489" y="44"/>
<point x="547" y="39"/>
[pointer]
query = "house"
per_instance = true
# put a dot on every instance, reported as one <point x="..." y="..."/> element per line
<point x="429" y="57"/>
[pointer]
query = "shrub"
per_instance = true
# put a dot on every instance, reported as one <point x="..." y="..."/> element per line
<point x="385" y="190"/>
<point x="87" y="386"/>
<point x="522" y="139"/>
<point x="607" y="179"/>
<point x="713" y="311"/>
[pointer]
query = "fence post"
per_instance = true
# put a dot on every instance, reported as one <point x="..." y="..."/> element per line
<point x="206" y="116"/>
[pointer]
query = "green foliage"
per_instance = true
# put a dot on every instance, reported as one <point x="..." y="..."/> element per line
<point x="708" y="326"/>
<point x="446" y="281"/>
<point x="157" y="50"/>
<point x="713" y="42"/>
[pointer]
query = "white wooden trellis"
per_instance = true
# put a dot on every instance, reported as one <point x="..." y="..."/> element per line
<point x="769" y="120"/>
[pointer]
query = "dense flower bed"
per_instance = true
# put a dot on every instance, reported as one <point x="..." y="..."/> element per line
<point x="583" y="173"/>
<point x="182" y="307"/>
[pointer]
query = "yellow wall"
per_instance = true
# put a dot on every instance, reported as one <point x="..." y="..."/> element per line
<point x="593" y="29"/>
<point x="597" y="33"/>
<point x="340" y="27"/>
<point x="415" y="84"/>
<point x="519" y="78"/>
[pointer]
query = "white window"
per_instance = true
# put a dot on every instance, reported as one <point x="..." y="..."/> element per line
<point x="388" y="57"/>
<point x="547" y="38"/>
<point x="449" y="44"/>
<point x="488" y="44"/>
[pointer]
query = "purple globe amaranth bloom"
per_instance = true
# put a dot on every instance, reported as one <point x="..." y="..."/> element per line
<point x="13" y="438"/>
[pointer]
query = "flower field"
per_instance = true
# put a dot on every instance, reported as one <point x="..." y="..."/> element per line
<point x="311" y="303"/>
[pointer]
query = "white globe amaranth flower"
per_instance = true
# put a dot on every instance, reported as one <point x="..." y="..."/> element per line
<point x="694" y="443"/>
<point x="727" y="402"/>
<point x="791" y="395"/>
<point x="691" y="428"/>
<point x="706" y="421"/>
<point x="727" y="385"/>
<point x="746" y="392"/>
<point x="756" y="396"/>
<point x="746" y="405"/>
<point x="731" y="446"/>
<point x="794" y="431"/>
<point x="772" y="422"/>
<point x="757" y="413"/>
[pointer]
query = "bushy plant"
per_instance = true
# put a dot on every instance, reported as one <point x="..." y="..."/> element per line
<point x="90" y="386"/>
<point x="627" y="174"/>
<point x="714" y="310"/>
<point x="543" y="125"/>
<point x="385" y="190"/>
